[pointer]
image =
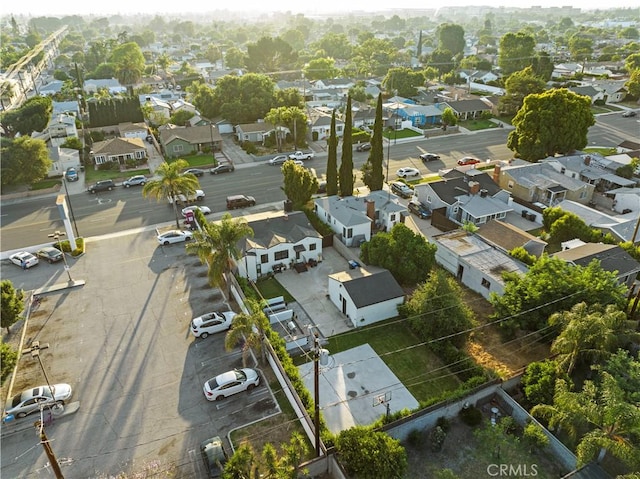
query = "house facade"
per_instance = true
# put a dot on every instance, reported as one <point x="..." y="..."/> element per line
<point x="61" y="159"/>
<point x="254" y="132"/>
<point x="119" y="150"/>
<point x="365" y="296"/>
<point x="179" y="140"/>
<point x="467" y="109"/>
<point x="133" y="130"/>
<point x="278" y="243"/>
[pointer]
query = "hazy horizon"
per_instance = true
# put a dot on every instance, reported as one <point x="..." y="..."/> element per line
<point x="41" y="8"/>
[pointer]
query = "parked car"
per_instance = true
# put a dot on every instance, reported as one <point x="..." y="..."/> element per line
<point x="229" y="383"/>
<point x="205" y="210"/>
<point x="408" y="171"/>
<point x="278" y="160"/>
<point x="194" y="171"/>
<point x="629" y="114"/>
<point x="240" y="201"/>
<point x="103" y="185"/>
<point x="30" y="400"/>
<point x="174" y="236"/>
<point x="137" y="180"/>
<point x="363" y="146"/>
<point x="24" y="257"/>
<point x="418" y="209"/>
<point x="71" y="174"/>
<point x="211" y="323"/>
<point x="401" y="189"/>
<point x="468" y="160"/>
<point x="322" y="186"/>
<point x="429" y="157"/>
<point x="222" y="168"/>
<point x="50" y="254"/>
<point x="214" y="456"/>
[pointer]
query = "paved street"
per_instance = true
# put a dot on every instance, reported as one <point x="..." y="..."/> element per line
<point x="123" y="342"/>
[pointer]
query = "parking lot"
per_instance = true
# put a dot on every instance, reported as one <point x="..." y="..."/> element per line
<point x="122" y="341"/>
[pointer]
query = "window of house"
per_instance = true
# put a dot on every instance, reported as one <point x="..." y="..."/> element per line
<point x="347" y="232"/>
<point x="510" y="184"/>
<point x="428" y="199"/>
<point x="486" y="283"/>
<point x="583" y="194"/>
<point x="312" y="247"/>
<point x="280" y="255"/>
<point x="392" y="217"/>
<point x="264" y="258"/>
<point x="177" y="148"/>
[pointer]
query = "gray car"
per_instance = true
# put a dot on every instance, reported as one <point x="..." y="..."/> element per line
<point x="29" y="401"/>
<point x="137" y="180"/>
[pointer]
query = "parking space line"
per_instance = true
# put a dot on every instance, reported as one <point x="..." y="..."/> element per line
<point x="209" y="361"/>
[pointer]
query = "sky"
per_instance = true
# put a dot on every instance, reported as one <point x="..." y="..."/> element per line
<point x="105" y="7"/>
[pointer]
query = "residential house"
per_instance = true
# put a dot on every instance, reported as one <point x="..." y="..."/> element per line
<point x="51" y="88"/>
<point x="133" y="130"/>
<point x="475" y="263"/>
<point x="341" y="84"/>
<point x="278" y="242"/>
<point x="320" y="124"/>
<point x="111" y="84"/>
<point x="628" y="147"/>
<point x="540" y="182"/>
<point x="467" y="109"/>
<point x="507" y="237"/>
<point x="182" y="105"/>
<point x="566" y="70"/>
<point x="461" y="197"/>
<point x="615" y="90"/>
<point x="353" y="218"/>
<point x="594" y="94"/>
<point x="611" y="257"/>
<point x="364" y="118"/>
<point x="68" y="107"/>
<point x="365" y="296"/>
<point x="160" y="108"/>
<point x="478" y="75"/>
<point x="255" y="132"/>
<point x="61" y="159"/>
<point x="119" y="150"/>
<point x="591" y="168"/>
<point x="625" y="199"/>
<point x="398" y="110"/>
<point x="621" y="227"/>
<point x="179" y="141"/>
<point x="60" y="128"/>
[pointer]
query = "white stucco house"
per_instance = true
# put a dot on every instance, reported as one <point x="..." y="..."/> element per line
<point x="365" y="296"/>
<point x="278" y="242"/>
<point x="61" y="159"/>
<point x="353" y="218"/>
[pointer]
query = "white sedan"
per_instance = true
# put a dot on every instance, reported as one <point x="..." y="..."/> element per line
<point x="229" y="383"/>
<point x="211" y="323"/>
<point x="24" y="259"/>
<point x="205" y="210"/>
<point x="174" y="236"/>
<point x="404" y="172"/>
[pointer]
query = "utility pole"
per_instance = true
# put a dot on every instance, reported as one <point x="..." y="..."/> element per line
<point x="48" y="451"/>
<point x="35" y="353"/>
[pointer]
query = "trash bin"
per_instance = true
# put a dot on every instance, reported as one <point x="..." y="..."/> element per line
<point x="288" y="206"/>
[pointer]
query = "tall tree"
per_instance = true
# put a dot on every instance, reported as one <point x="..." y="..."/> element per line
<point x="216" y="244"/>
<point x="516" y="52"/>
<point x="404" y="81"/>
<point x="518" y="86"/>
<point x="130" y="64"/>
<point x="320" y="69"/>
<point x="243" y="99"/>
<point x="12" y="304"/>
<point x="299" y="184"/>
<point x="346" y="161"/>
<point x="451" y="37"/>
<point x="332" y="159"/>
<point x="171" y="183"/>
<point x="24" y="161"/>
<point x="269" y="55"/>
<point x="555" y="121"/>
<point x="33" y="115"/>
<point x="372" y="173"/>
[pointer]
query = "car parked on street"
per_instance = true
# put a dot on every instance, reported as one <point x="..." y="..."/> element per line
<point x="278" y="160"/>
<point x="363" y="146"/>
<point x="71" y="174"/>
<point x="137" y="180"/>
<point x="23" y="259"/>
<point x="31" y="400"/>
<point x="212" y="323"/>
<point x="408" y="171"/>
<point x="629" y="114"/>
<point x="468" y="160"/>
<point x="230" y="383"/>
<point x="103" y="185"/>
<point x="222" y="168"/>
<point x="50" y="254"/>
<point x="419" y="209"/>
<point x="174" y="236"/>
<point x="194" y="171"/>
<point x="214" y="456"/>
<point x="429" y="157"/>
<point x="205" y="210"/>
<point x="401" y="189"/>
<point x="240" y="201"/>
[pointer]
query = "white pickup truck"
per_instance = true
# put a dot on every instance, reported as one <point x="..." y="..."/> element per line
<point x="197" y="195"/>
<point x="301" y="155"/>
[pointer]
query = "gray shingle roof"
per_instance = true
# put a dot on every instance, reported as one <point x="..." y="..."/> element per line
<point x="373" y="288"/>
<point x="270" y="232"/>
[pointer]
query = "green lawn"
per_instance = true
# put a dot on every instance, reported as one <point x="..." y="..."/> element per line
<point x="417" y="367"/>
<point x="474" y="125"/>
<point x="397" y="134"/>
<point x="46" y="183"/>
<point x="194" y="161"/>
<point x="271" y="288"/>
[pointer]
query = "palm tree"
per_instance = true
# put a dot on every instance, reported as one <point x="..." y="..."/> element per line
<point x="588" y="332"/>
<point x="171" y="184"/>
<point x="217" y="245"/>
<point x="602" y="407"/>
<point x="248" y="327"/>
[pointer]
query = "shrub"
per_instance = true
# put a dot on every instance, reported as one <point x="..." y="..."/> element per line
<point x="8" y="357"/>
<point x="415" y="438"/>
<point x="535" y="437"/>
<point x="249" y="147"/>
<point x="436" y="439"/>
<point x="471" y="416"/>
<point x="443" y="423"/>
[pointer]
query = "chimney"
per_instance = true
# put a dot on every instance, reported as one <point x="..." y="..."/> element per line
<point x="496" y="174"/>
<point x="587" y="160"/>
<point x="371" y="209"/>
<point x="474" y="187"/>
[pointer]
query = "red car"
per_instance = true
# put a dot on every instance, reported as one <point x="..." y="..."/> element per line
<point x="468" y="160"/>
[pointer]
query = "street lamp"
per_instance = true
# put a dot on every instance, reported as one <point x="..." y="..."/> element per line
<point x="57" y="235"/>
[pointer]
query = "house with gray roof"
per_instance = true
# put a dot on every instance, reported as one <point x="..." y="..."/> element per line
<point x="133" y="130"/>
<point x="611" y="258"/>
<point x="625" y="199"/>
<point x="467" y="109"/>
<point x="469" y="196"/>
<point x="591" y="168"/>
<point x="114" y="87"/>
<point x="256" y="132"/>
<point x="119" y="150"/>
<point x="61" y="159"/>
<point x="353" y="218"/>
<point x="506" y="237"/>
<point x="594" y="94"/>
<point x="475" y="263"/>
<point x="278" y="243"/>
<point x="540" y="182"/>
<point x="320" y="123"/>
<point x="621" y="227"/>
<point x="365" y="296"/>
<point x="51" y="88"/>
<point x="180" y="140"/>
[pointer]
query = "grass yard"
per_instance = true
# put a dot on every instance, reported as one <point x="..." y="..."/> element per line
<point x="271" y="288"/>
<point x="398" y="134"/>
<point x="419" y="369"/>
<point x="474" y="125"/>
<point x="45" y="184"/>
<point x="195" y="160"/>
